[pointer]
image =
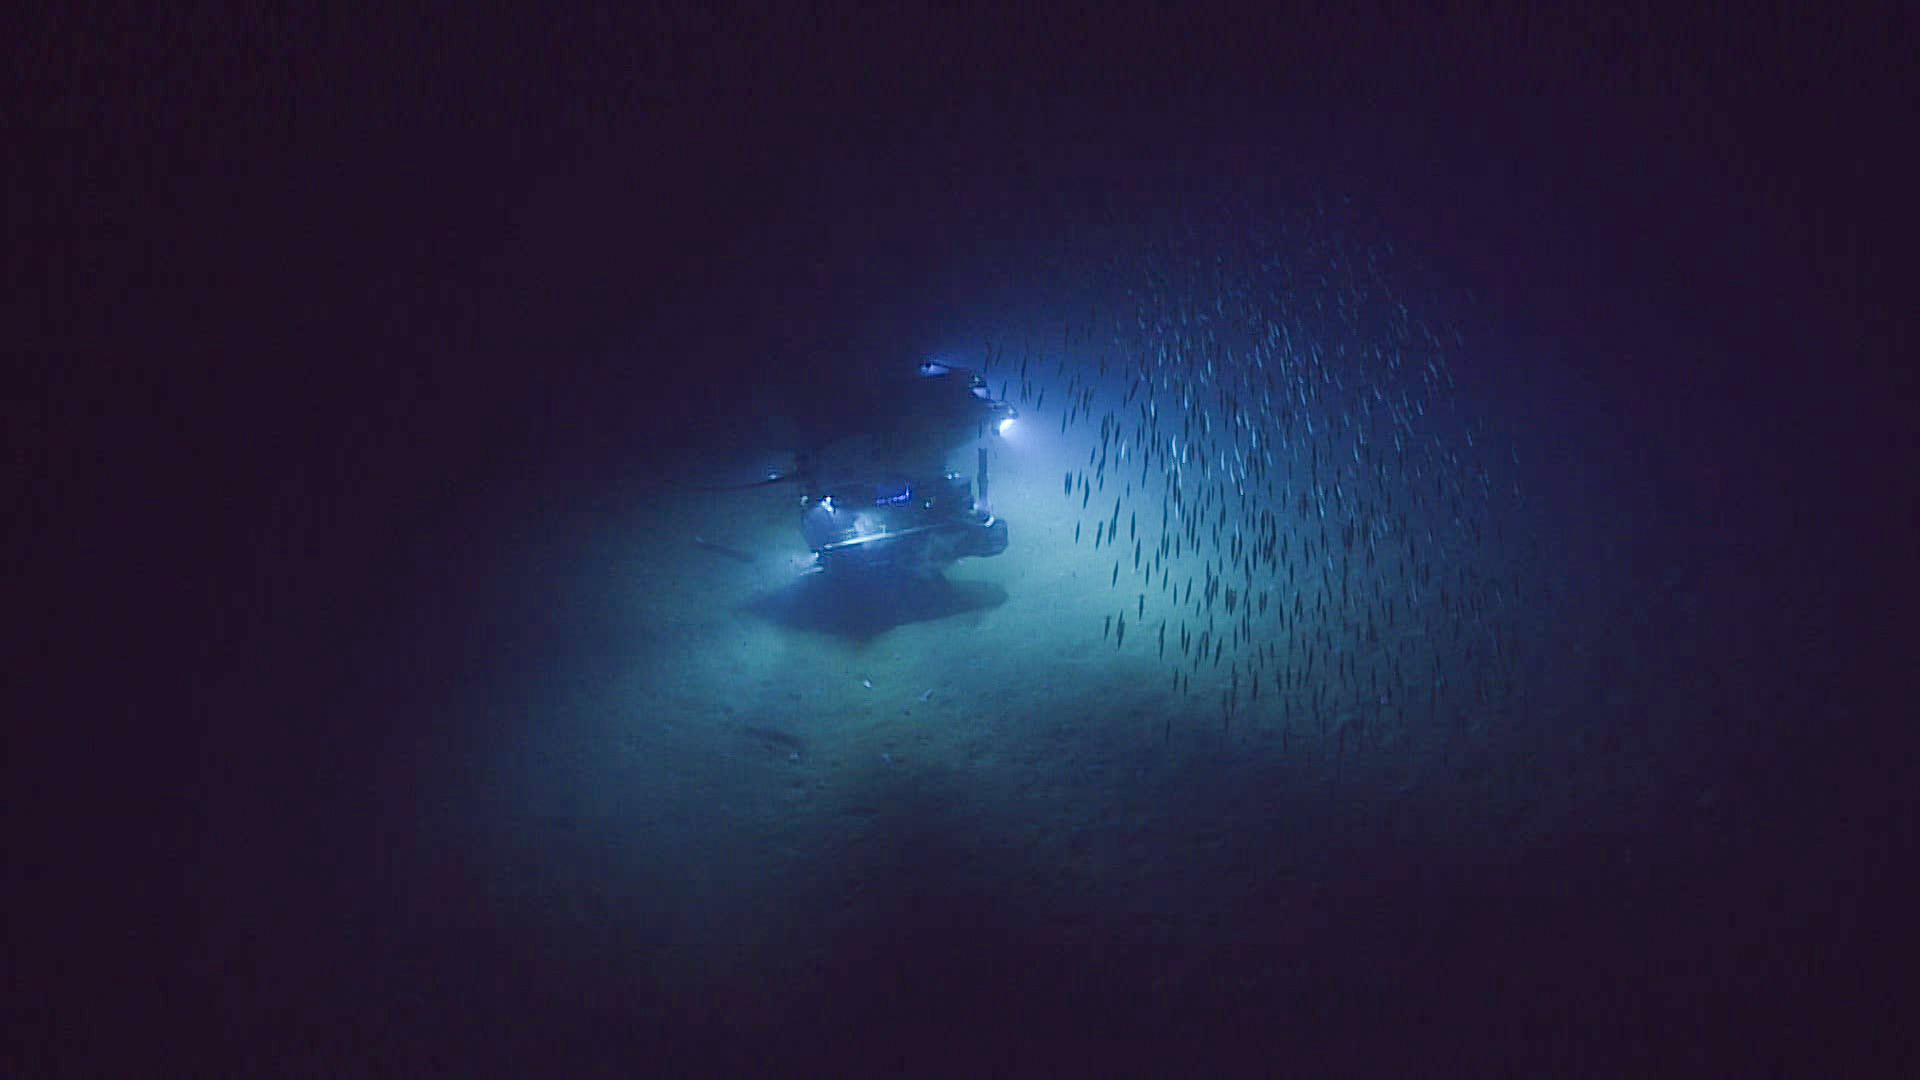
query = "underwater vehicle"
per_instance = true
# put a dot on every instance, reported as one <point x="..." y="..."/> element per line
<point x="880" y="500"/>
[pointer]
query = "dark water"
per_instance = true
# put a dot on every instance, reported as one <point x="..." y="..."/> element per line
<point x="381" y="713"/>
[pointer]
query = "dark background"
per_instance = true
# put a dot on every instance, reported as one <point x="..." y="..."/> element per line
<point x="281" y="287"/>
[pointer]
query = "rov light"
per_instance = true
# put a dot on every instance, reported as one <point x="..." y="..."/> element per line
<point x="1005" y="425"/>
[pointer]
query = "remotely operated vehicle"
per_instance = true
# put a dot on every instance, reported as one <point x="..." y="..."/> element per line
<point x="883" y="502"/>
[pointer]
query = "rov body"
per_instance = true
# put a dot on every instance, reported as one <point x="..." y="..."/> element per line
<point x="882" y="501"/>
<point x="900" y="525"/>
